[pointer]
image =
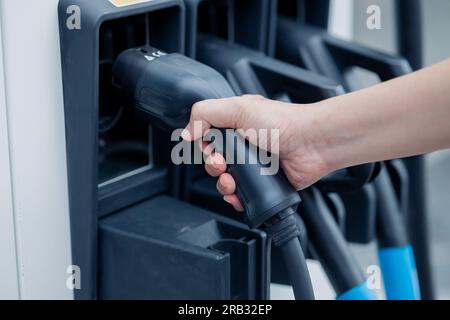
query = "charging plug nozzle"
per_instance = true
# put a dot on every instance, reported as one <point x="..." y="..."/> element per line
<point x="164" y="87"/>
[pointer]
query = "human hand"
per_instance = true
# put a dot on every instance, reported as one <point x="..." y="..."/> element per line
<point x="298" y="145"/>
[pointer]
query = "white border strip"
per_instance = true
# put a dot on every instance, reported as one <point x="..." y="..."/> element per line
<point x="9" y="280"/>
<point x="34" y="101"/>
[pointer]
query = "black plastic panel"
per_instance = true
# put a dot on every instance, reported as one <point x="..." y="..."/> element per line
<point x="167" y="249"/>
<point x="86" y="57"/>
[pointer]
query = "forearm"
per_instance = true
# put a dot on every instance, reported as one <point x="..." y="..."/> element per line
<point x="403" y="117"/>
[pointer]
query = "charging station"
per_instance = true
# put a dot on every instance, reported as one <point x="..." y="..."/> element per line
<point x="125" y="175"/>
<point x="138" y="226"/>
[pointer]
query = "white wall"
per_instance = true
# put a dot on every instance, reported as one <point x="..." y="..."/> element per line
<point x="9" y="288"/>
<point x="37" y="146"/>
<point x="341" y="18"/>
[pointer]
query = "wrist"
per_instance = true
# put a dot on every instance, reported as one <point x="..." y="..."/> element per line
<point x="332" y="138"/>
<point x="344" y="132"/>
<point x="310" y="139"/>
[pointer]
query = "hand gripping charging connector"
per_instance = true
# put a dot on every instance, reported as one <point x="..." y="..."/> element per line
<point x="163" y="88"/>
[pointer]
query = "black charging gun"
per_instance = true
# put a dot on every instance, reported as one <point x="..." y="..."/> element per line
<point x="163" y="88"/>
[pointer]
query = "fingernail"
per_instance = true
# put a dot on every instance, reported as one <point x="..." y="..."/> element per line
<point x="225" y="198"/>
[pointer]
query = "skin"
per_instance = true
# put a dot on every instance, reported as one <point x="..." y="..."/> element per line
<point x="407" y="116"/>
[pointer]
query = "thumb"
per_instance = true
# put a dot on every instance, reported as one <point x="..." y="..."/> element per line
<point x="218" y="113"/>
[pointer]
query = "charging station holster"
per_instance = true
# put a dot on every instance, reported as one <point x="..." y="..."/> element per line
<point x="131" y="235"/>
<point x="166" y="249"/>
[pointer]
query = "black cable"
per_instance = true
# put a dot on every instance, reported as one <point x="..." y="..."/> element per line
<point x="410" y="31"/>
<point x="295" y="263"/>
<point x="410" y="42"/>
<point x="391" y="227"/>
<point x="328" y="244"/>
<point x="284" y="231"/>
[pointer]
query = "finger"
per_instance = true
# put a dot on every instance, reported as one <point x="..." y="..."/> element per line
<point x="226" y="184"/>
<point x="254" y="97"/>
<point x="206" y="147"/>
<point x="234" y="201"/>
<point x="215" y="165"/>
<point x="218" y="113"/>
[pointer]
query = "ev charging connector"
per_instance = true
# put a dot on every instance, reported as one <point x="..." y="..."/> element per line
<point x="163" y="88"/>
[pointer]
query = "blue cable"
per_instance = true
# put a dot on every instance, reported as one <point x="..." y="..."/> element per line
<point x="399" y="272"/>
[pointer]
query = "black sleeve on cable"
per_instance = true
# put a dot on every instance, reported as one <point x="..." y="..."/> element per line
<point x="285" y="235"/>
<point x="391" y="227"/>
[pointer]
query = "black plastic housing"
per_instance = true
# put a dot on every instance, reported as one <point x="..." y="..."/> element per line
<point x="166" y="249"/>
<point x="314" y="12"/>
<point x="86" y="56"/>
<point x="243" y="22"/>
<point x="317" y="50"/>
<point x="251" y="72"/>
